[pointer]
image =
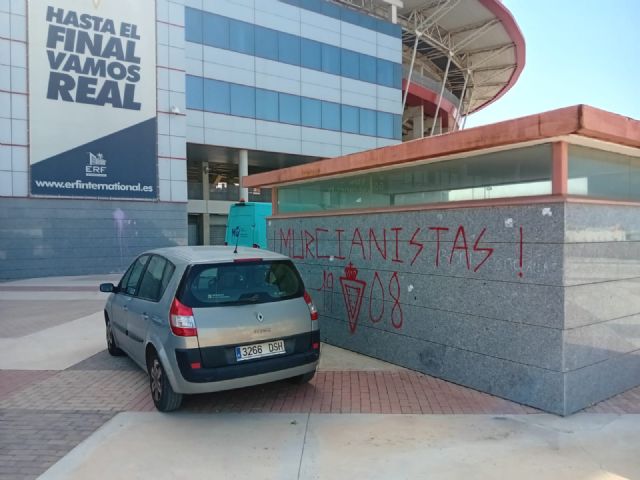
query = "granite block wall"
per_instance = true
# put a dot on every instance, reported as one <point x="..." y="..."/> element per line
<point x="52" y="237"/>
<point x="474" y="296"/>
<point x="539" y="304"/>
<point x="602" y="302"/>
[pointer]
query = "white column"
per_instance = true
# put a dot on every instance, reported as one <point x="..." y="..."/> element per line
<point x="243" y="171"/>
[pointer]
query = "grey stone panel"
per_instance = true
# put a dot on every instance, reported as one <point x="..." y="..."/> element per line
<point x="526" y="384"/>
<point x="43" y="237"/>
<point x="492" y="248"/>
<point x="539" y="227"/>
<point x="601" y="302"/>
<point x="531" y="345"/>
<point x="512" y="302"/>
<point x="588" y="345"/>
<point x="595" y="383"/>
<point x="601" y="261"/>
<point x="601" y="223"/>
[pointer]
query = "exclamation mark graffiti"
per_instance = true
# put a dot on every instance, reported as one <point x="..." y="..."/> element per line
<point x="520" y="274"/>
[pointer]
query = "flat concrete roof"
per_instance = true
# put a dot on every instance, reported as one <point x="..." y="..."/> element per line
<point x="561" y="124"/>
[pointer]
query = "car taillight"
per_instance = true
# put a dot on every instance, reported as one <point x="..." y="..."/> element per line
<point x="181" y="320"/>
<point x="313" y="311"/>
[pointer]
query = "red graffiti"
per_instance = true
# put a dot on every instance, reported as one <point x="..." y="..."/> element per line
<point x="308" y="240"/>
<point x="520" y="274"/>
<point x="416" y="244"/>
<point x="352" y="292"/>
<point x="358" y="242"/>
<point x="326" y="289"/>
<point x="489" y="250"/>
<point x="339" y="233"/>
<point x="396" y="258"/>
<point x="376" y="281"/>
<point x="386" y="245"/>
<point x="374" y="240"/>
<point x="438" y="230"/>
<point x="460" y="233"/>
<point x="318" y="230"/>
<point x="397" y="317"/>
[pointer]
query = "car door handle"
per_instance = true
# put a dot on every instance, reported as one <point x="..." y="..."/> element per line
<point x="125" y="308"/>
<point x="145" y="316"/>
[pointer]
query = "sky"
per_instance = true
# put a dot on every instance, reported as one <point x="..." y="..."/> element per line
<point x="577" y="51"/>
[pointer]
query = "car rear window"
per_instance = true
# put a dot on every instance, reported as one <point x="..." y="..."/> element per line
<point x="240" y="283"/>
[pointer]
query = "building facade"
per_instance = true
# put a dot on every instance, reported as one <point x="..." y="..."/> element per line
<point x="123" y="130"/>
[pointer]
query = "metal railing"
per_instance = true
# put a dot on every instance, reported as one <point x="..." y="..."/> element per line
<point x="429" y="83"/>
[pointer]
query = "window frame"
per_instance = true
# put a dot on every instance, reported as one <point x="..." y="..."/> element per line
<point x="167" y="263"/>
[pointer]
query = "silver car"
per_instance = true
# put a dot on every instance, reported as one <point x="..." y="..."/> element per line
<point x="204" y="319"/>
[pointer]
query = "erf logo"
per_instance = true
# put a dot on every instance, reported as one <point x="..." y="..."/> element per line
<point x="97" y="166"/>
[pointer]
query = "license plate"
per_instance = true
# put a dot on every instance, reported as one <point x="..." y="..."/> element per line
<point x="258" y="350"/>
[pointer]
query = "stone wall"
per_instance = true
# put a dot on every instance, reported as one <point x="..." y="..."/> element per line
<point x="602" y="302"/>
<point x="50" y="237"/>
<point x="481" y="306"/>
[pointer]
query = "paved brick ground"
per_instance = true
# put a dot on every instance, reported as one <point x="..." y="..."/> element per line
<point x="357" y="392"/>
<point x="44" y="414"/>
<point x="31" y="441"/>
<point x="12" y="381"/>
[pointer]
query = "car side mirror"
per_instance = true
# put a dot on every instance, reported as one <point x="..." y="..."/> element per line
<point x="108" y="288"/>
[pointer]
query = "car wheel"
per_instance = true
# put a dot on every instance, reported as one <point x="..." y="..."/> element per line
<point x="164" y="398"/>
<point x="112" y="348"/>
<point x="304" y="378"/>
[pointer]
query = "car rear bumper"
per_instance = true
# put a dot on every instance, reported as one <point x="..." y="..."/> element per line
<point x="193" y="376"/>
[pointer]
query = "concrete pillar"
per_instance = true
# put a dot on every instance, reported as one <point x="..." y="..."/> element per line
<point x="243" y="171"/>
<point x="206" y="240"/>
<point x="417" y="114"/>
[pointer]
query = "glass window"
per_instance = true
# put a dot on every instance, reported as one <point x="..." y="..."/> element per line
<point x="330" y="10"/>
<point x="289" y="108"/>
<point x="216" y="96"/>
<point x="350" y="119"/>
<point x="397" y="75"/>
<point x="397" y="127"/>
<point x="266" y="43"/>
<point x="311" y="113"/>
<point x="311" y="54"/>
<point x="288" y="48"/>
<point x="330" y="59"/>
<point x="312" y="5"/>
<point x="369" y="22"/>
<point x="155" y="279"/>
<point x="350" y="64"/>
<point x="194" y="92"/>
<point x="129" y="283"/>
<point x="241" y="284"/>
<point x="368" y="122"/>
<point x="596" y="173"/>
<point x="367" y="68"/>
<point x="330" y="116"/>
<point x="385" y="73"/>
<point x="193" y="25"/>
<point x="385" y="124"/>
<point x="215" y="30"/>
<point x="512" y="173"/>
<point x="266" y="105"/>
<point x="241" y="37"/>
<point x="243" y="101"/>
<point x="350" y="16"/>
